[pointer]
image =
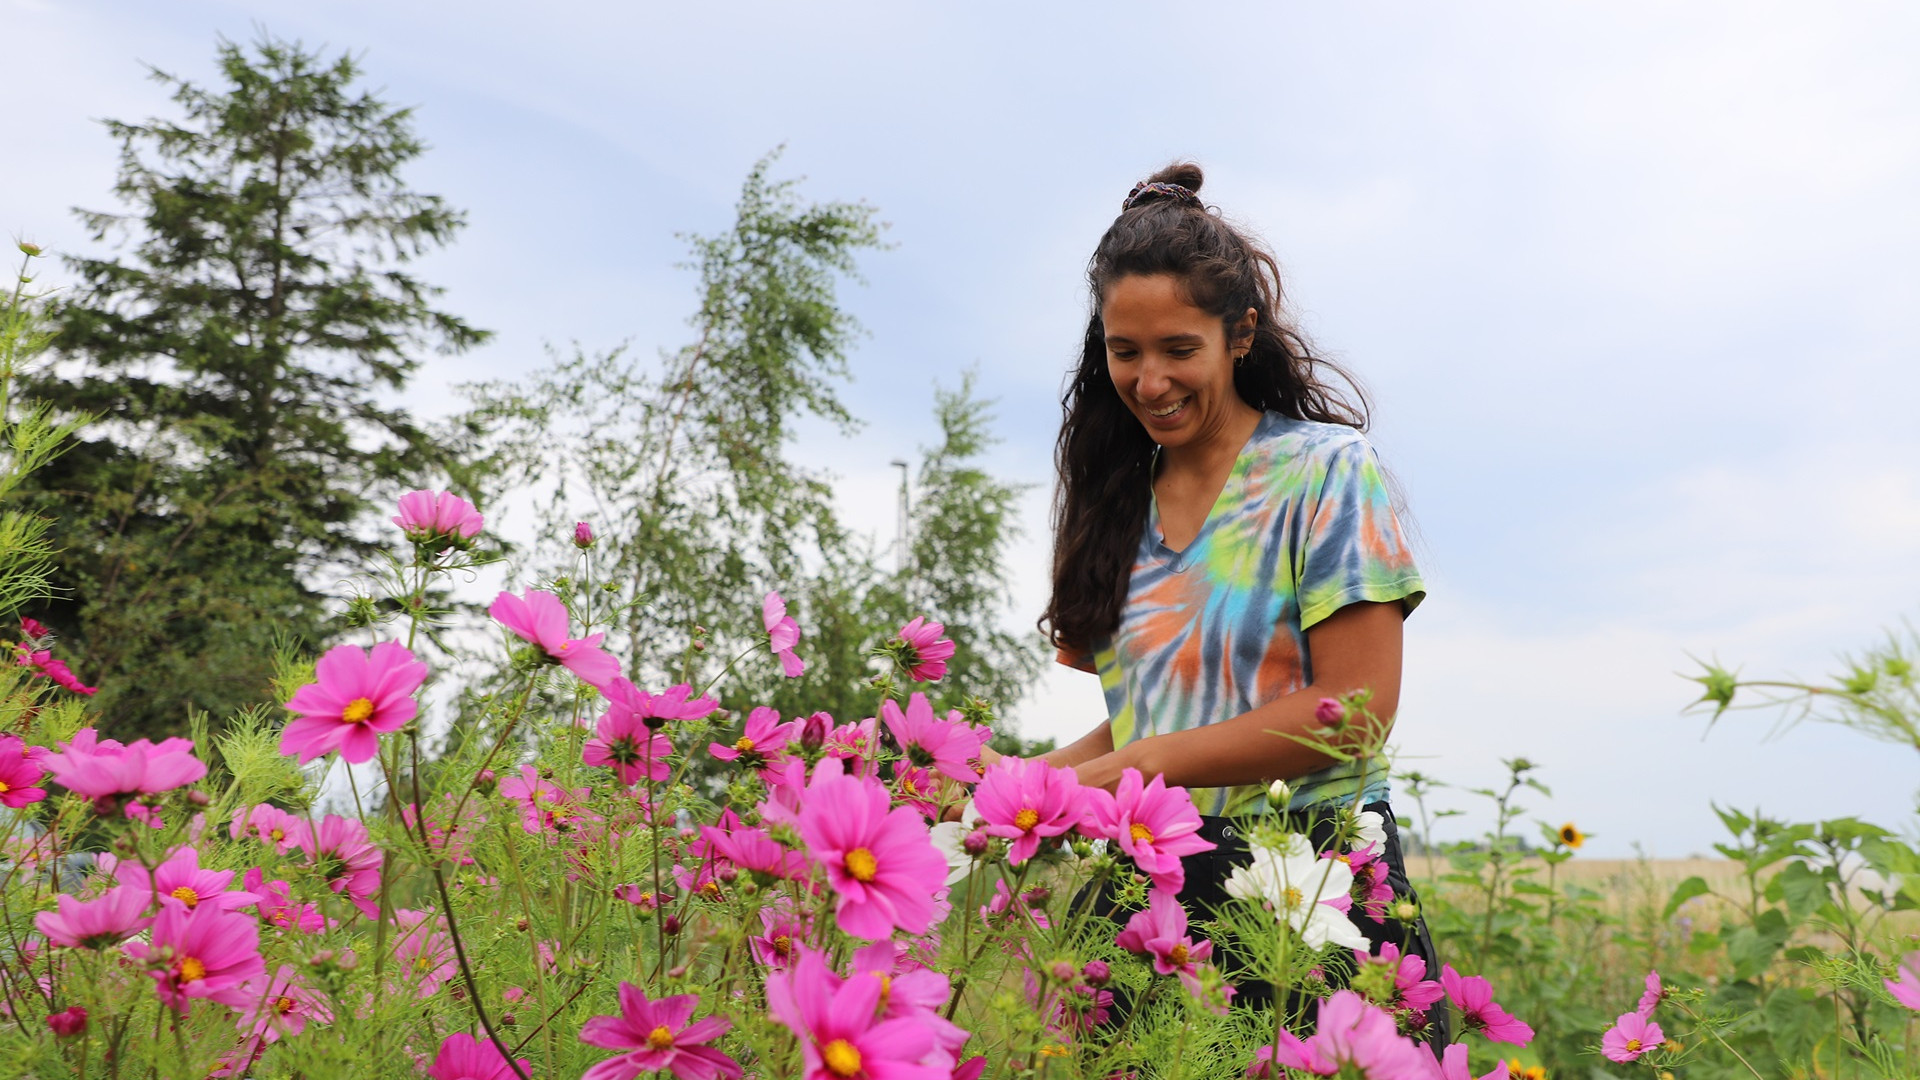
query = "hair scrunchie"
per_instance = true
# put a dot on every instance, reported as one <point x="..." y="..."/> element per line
<point x="1148" y="191"/>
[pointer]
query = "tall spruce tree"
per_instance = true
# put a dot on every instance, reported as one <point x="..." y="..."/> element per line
<point x="235" y="354"/>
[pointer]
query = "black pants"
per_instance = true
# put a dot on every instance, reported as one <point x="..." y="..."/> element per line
<point x="1205" y="891"/>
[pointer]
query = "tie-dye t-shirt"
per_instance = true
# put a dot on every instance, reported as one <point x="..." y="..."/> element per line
<point x="1303" y="527"/>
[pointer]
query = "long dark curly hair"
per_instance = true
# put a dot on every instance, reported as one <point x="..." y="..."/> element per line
<point x="1104" y="454"/>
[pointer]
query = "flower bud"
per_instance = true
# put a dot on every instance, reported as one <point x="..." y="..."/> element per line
<point x="1039" y="894"/>
<point x="1096" y="973"/>
<point x="1062" y="971"/>
<point x="699" y="646"/>
<point x="521" y="924"/>
<point x="485" y="782"/>
<point x="975" y="843"/>
<point x="32" y="251"/>
<point x="1405" y="910"/>
<point x="726" y="874"/>
<point x="813" y="734"/>
<point x="506" y="1020"/>
<point x="72" y="1021"/>
<point x="347" y="961"/>
<point x="670" y="924"/>
<point x="198" y="797"/>
<point x="1279" y="794"/>
<point x="1329" y="711"/>
<point x="321" y="958"/>
<point x="582" y="535"/>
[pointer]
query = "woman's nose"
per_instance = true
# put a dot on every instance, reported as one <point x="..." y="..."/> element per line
<point x="1153" y="380"/>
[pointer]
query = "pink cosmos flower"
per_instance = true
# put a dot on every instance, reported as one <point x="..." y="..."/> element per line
<point x="1653" y="995"/>
<point x="347" y="858"/>
<point x="1371" y="889"/>
<point x="1161" y="932"/>
<point x="35" y="631"/>
<point x="1453" y="1066"/>
<point x="782" y="931"/>
<point x="282" y="1006"/>
<point x="660" y="1036"/>
<point x="43" y="664"/>
<point x="782" y="635"/>
<point x="880" y="860"/>
<point x="277" y="908"/>
<point x="1631" y="1036"/>
<point x="1473" y="995"/>
<point x="542" y="619"/>
<point x="1354" y="1035"/>
<point x="948" y="745"/>
<point x="423" y="955"/>
<point x="1906" y="989"/>
<point x="856" y="744"/>
<point x="356" y="697"/>
<point x="1411" y="986"/>
<point x="1153" y="823"/>
<point x="927" y="652"/>
<point x="753" y="849"/>
<point x="1002" y="903"/>
<point x="95" y="924"/>
<point x="426" y="516"/>
<point x="1078" y="1011"/>
<point x="104" y="770"/>
<point x="546" y="807"/>
<point x="624" y="743"/>
<point x="180" y="880"/>
<point x="908" y="989"/>
<point x="68" y="1023"/>
<point x="270" y="825"/>
<point x="20" y="774"/>
<point x="760" y="742"/>
<point x="840" y="1030"/>
<point x="462" y="1057"/>
<point x="1028" y="800"/>
<point x="201" y="952"/>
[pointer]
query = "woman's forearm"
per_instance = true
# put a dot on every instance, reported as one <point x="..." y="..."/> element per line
<point x="1094" y="744"/>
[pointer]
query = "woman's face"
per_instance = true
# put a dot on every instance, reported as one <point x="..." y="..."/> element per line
<point x="1171" y="362"/>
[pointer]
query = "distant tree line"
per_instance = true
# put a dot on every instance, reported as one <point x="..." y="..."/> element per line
<point x="235" y="356"/>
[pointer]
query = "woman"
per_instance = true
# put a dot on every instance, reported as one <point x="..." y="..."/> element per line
<point x="1226" y="552"/>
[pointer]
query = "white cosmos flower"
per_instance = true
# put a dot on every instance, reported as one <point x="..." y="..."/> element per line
<point x="946" y="838"/>
<point x="1369" y="830"/>
<point x="1291" y="883"/>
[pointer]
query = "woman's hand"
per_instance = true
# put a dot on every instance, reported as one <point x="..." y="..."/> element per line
<point x="988" y="755"/>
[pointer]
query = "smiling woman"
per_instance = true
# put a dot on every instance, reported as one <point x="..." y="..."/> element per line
<point x="1227" y="554"/>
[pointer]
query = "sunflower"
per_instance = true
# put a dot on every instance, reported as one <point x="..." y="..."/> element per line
<point x="1571" y="836"/>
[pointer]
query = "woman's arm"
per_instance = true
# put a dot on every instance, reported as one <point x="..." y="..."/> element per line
<point x="1095" y="743"/>
<point x="1357" y="647"/>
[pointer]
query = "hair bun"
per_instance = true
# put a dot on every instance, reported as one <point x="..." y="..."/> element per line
<point x="1178" y="183"/>
<point x="1184" y="173"/>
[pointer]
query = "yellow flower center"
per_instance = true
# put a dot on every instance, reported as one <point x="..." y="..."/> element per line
<point x="283" y="1005"/>
<point x="422" y="963"/>
<point x="1633" y="1046"/>
<point x="4" y="788"/>
<point x="1026" y="819"/>
<point x="743" y="744"/>
<point x="187" y="896"/>
<point x="711" y="890"/>
<point x="862" y="867"/>
<point x="886" y="987"/>
<point x="782" y="945"/>
<point x="277" y="834"/>
<point x="660" y="1038"/>
<point x="1294" y="898"/>
<point x="191" y="970"/>
<point x="841" y="1058"/>
<point x="358" y="711"/>
<point x="1054" y="1050"/>
<point x="1141" y="834"/>
<point x="1177" y="954"/>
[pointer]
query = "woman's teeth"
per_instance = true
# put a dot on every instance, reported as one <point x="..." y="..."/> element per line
<point x="1168" y="410"/>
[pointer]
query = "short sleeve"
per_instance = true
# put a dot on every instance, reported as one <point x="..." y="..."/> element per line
<point x="1350" y="546"/>
<point x="1078" y="659"/>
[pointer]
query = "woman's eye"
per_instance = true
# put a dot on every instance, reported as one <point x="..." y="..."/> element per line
<point x="1182" y="354"/>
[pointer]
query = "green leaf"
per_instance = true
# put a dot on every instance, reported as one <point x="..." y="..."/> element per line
<point x="1752" y="948"/>
<point x="1683" y="892"/>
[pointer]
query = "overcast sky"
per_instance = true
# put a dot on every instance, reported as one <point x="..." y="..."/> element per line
<point x="1633" y="284"/>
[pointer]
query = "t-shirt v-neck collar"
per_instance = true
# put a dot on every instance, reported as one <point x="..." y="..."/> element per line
<point x="1178" y="561"/>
